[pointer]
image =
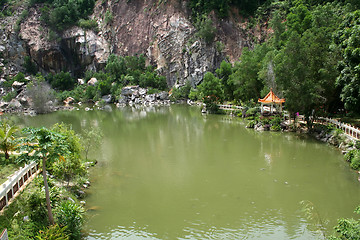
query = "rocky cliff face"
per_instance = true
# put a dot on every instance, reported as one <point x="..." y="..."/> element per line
<point x="161" y="30"/>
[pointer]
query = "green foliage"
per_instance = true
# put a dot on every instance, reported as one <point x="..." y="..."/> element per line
<point x="181" y="93"/>
<point x="224" y="73"/>
<point x="70" y="215"/>
<point x="9" y="96"/>
<point x="88" y="24"/>
<point x="211" y="91"/>
<point x="222" y="7"/>
<point x="61" y="81"/>
<point x="108" y="17"/>
<point x="60" y="14"/>
<point x="41" y="94"/>
<point x="91" y="140"/>
<point x="353" y="156"/>
<point x="347" y="39"/>
<point x="7" y="137"/>
<point x="348" y="228"/>
<point x="194" y="94"/>
<point x="20" y="77"/>
<point x="245" y="81"/>
<point x="205" y="29"/>
<point x="53" y="232"/>
<point x="70" y="165"/>
<point x="30" y="66"/>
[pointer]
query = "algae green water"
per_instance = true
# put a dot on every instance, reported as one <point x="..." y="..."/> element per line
<point x="171" y="173"/>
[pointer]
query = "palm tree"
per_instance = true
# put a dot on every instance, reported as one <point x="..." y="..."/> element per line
<point x="7" y="138"/>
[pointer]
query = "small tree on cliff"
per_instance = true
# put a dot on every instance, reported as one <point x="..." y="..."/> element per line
<point x="44" y="146"/>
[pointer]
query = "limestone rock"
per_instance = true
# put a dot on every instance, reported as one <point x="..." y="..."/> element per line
<point x="129" y="90"/>
<point x="107" y="98"/>
<point x="14" y="103"/>
<point x="68" y="101"/>
<point x="80" y="81"/>
<point x="17" y="85"/>
<point x="92" y="82"/>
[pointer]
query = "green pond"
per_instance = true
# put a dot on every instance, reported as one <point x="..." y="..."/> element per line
<point x="172" y="173"/>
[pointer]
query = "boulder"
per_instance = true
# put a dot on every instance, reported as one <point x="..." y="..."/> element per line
<point x="142" y="91"/>
<point x="107" y="98"/>
<point x="80" y="81"/>
<point x="14" y="103"/>
<point x="92" y="82"/>
<point x="162" y="95"/>
<point x="150" y="97"/>
<point x="24" y="101"/>
<point x="69" y="100"/>
<point x="17" y="85"/>
<point x="129" y="90"/>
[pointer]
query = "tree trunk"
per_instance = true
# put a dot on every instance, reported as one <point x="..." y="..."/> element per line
<point x="47" y="194"/>
<point x="6" y="154"/>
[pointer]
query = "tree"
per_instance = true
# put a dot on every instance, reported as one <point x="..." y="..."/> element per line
<point x="212" y="91"/>
<point x="45" y="146"/>
<point x="41" y="94"/>
<point x="224" y="73"/>
<point x="245" y="77"/>
<point x="347" y="39"/>
<point x="72" y="165"/>
<point x="7" y="139"/>
<point x="91" y="140"/>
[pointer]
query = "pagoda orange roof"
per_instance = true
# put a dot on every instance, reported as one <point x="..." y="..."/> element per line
<point x="271" y="98"/>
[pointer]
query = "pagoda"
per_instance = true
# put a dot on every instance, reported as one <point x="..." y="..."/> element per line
<point x="271" y="103"/>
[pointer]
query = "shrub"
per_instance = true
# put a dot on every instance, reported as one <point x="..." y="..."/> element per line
<point x="108" y="17"/>
<point x="194" y="94"/>
<point x="9" y="96"/>
<point x="355" y="161"/>
<point x="61" y="81"/>
<point x="30" y="66"/>
<point x="275" y="128"/>
<point x="205" y="28"/>
<point x="41" y="94"/>
<point x="54" y="232"/>
<point x="251" y="124"/>
<point x="20" y="77"/>
<point x="349" y="155"/>
<point x="70" y="215"/>
<point x="90" y="24"/>
<point x="252" y="111"/>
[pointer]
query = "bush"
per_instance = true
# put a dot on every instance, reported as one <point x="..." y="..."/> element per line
<point x="355" y="161"/>
<point x="61" y="81"/>
<point x="181" y="93"/>
<point x="251" y="124"/>
<point x="90" y="24"/>
<point x="9" y="96"/>
<point x="20" y="77"/>
<point x="70" y="215"/>
<point x="54" y="232"/>
<point x="30" y="66"/>
<point x="194" y="94"/>
<point x="41" y="94"/>
<point x="205" y="28"/>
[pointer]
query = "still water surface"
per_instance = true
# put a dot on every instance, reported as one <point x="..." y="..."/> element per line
<point x="171" y="173"/>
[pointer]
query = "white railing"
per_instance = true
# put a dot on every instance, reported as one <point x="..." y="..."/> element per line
<point x="347" y="128"/>
<point x="230" y="107"/>
<point x="15" y="182"/>
<point x="4" y="235"/>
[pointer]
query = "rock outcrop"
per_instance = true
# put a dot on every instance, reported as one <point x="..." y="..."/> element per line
<point x="161" y="30"/>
